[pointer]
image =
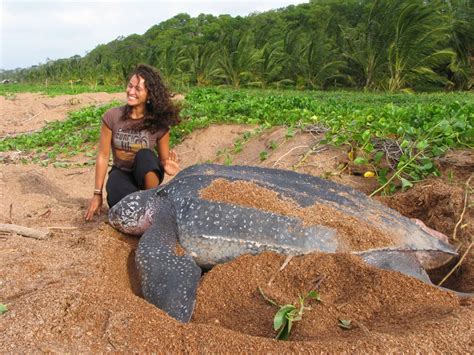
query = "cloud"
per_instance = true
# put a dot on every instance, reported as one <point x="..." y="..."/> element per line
<point x="34" y="30"/>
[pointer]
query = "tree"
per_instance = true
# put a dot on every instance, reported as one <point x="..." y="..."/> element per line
<point x="236" y="58"/>
<point x="461" y="40"/>
<point x="414" y="51"/>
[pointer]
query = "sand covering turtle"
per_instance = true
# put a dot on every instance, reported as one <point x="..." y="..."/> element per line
<point x="211" y="214"/>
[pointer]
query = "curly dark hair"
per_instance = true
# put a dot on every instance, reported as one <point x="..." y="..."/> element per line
<point x="160" y="111"/>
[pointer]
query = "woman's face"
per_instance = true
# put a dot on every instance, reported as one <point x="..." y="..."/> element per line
<point x="136" y="91"/>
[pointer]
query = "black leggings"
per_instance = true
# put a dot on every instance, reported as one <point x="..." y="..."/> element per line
<point x="122" y="183"/>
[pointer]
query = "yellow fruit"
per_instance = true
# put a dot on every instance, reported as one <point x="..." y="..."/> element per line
<point x="369" y="174"/>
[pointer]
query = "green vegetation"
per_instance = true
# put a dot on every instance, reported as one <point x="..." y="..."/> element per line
<point x="370" y="44"/>
<point x="395" y="135"/>
<point x="289" y="313"/>
<point x="79" y="133"/>
<point x="3" y="308"/>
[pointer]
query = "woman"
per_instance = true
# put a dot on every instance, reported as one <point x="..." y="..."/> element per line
<point x="132" y="131"/>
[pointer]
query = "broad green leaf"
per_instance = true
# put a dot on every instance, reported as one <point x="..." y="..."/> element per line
<point x="378" y="157"/>
<point x="422" y="145"/>
<point x="284" y="333"/>
<point x="437" y="151"/>
<point x="360" y="160"/>
<point x="405" y="183"/>
<point x="369" y="147"/>
<point x="404" y="144"/>
<point x="281" y="316"/>
<point x="366" y="135"/>
<point x="314" y="295"/>
<point x="427" y="165"/>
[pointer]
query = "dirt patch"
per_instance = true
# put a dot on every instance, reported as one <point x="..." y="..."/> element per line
<point x="202" y="145"/>
<point x="27" y="112"/>
<point x="440" y="204"/>
<point x="78" y="291"/>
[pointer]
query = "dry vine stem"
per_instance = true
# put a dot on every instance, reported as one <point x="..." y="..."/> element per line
<point x="24" y="231"/>
<point x="312" y="150"/>
<point x="457" y="265"/>
<point x="63" y="228"/>
<point x="288" y="152"/>
<point x="285" y="263"/>
<point x="466" y="198"/>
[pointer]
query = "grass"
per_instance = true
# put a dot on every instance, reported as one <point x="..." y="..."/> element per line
<point x="79" y="133"/>
<point x="9" y="90"/>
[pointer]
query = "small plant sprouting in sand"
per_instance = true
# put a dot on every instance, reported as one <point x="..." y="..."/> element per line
<point x="289" y="313"/>
<point x="10" y="96"/>
<point x="272" y="145"/>
<point x="228" y="160"/>
<point x="3" y="308"/>
<point x="290" y="133"/>
<point x="345" y="324"/>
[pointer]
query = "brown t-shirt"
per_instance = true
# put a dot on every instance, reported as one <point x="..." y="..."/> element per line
<point x="126" y="142"/>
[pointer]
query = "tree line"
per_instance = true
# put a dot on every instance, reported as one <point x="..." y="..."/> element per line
<point x="366" y="44"/>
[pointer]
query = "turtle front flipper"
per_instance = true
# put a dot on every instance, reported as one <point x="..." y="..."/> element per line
<point x="168" y="281"/>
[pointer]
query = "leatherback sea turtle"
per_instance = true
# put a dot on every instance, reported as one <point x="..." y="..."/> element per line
<point x="184" y="232"/>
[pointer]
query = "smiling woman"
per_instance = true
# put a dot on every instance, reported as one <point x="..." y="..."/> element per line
<point x="133" y="132"/>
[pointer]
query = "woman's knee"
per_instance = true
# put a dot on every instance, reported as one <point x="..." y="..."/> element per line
<point x="119" y="185"/>
<point x="146" y="161"/>
<point x="144" y="154"/>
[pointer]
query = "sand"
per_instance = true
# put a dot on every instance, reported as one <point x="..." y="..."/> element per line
<point x="78" y="290"/>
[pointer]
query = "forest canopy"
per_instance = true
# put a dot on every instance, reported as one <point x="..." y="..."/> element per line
<point x="389" y="45"/>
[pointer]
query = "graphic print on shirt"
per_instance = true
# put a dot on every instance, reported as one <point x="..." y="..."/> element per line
<point x="128" y="142"/>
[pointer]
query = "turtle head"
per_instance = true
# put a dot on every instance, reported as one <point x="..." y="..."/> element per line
<point x="134" y="213"/>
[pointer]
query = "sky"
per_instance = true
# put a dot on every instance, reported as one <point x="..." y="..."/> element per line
<point x="36" y="30"/>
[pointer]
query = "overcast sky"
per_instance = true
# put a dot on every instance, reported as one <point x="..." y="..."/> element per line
<point x="32" y="31"/>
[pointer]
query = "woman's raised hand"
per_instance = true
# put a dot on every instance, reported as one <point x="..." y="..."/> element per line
<point x="171" y="164"/>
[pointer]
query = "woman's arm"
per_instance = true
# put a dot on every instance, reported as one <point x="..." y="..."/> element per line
<point x="168" y="157"/>
<point x="101" y="165"/>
